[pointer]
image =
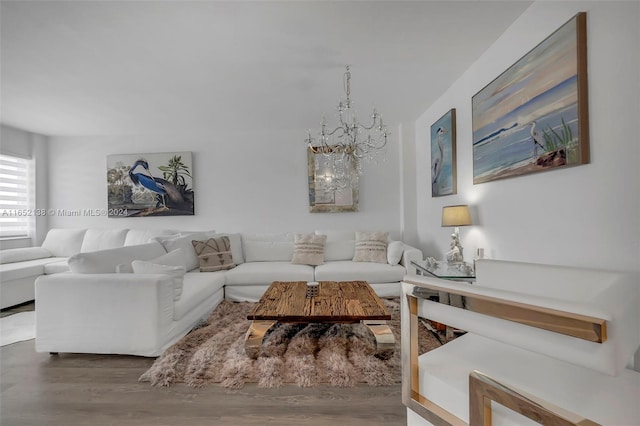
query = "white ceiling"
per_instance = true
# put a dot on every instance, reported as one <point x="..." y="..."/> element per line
<point x="147" y="67"/>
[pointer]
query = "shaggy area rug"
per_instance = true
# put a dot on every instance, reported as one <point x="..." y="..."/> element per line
<point x="303" y="354"/>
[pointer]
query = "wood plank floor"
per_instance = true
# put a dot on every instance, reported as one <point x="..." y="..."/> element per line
<point x="79" y="389"/>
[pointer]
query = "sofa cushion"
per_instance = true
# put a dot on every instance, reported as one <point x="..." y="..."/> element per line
<point x="197" y="287"/>
<point x="267" y="247"/>
<point x="308" y="249"/>
<point x="57" y="267"/>
<point x="371" y="247"/>
<point x="173" y="258"/>
<point x="578" y="284"/>
<point x="268" y="272"/>
<point x="613" y="296"/>
<point x="395" y="249"/>
<point x="28" y="268"/>
<point x="176" y="273"/>
<point x="346" y="270"/>
<point x="102" y="239"/>
<point x="142" y="236"/>
<point x="183" y="241"/>
<point x="106" y="261"/>
<point x="22" y="254"/>
<point x="63" y="242"/>
<point x="214" y="254"/>
<point x="340" y="245"/>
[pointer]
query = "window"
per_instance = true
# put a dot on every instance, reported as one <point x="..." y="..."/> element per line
<point x="17" y="194"/>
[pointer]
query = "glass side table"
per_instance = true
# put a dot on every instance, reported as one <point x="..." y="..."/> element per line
<point x="447" y="271"/>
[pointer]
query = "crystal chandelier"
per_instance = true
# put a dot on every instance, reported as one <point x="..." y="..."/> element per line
<point x="348" y="145"/>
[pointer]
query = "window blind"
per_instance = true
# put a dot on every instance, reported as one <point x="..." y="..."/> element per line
<point x="17" y="215"/>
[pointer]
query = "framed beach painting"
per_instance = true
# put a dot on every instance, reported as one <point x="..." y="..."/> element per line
<point x="152" y="184"/>
<point x="534" y="116"/>
<point x="443" y="155"/>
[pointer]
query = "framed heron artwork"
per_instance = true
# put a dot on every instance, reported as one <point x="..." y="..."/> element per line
<point x="534" y="116"/>
<point x="443" y="155"/>
<point x="155" y="184"/>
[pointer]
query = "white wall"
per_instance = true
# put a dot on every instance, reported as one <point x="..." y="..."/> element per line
<point x="248" y="181"/>
<point x="408" y="182"/>
<point x="29" y="145"/>
<point x="587" y="215"/>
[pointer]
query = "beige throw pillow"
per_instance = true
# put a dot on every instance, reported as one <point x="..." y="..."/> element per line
<point x="214" y="254"/>
<point x="309" y="249"/>
<point x="371" y="247"/>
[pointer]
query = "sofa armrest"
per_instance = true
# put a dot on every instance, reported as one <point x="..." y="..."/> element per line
<point x="102" y="313"/>
<point x="410" y="253"/>
<point x="23" y="254"/>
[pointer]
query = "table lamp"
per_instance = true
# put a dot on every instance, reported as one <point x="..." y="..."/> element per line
<point x="456" y="216"/>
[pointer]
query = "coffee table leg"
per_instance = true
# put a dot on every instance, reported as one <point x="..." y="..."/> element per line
<point x="253" y="338"/>
<point x="385" y="342"/>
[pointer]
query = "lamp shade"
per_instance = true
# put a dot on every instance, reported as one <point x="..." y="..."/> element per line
<point x="456" y="216"/>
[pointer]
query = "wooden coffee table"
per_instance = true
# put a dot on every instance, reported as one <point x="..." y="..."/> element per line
<point x="336" y="302"/>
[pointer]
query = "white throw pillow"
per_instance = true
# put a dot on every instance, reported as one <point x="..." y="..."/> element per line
<point x="103" y="239"/>
<point x="394" y="252"/>
<point x="107" y="261"/>
<point x="22" y="254"/>
<point x="176" y="273"/>
<point x="173" y="258"/>
<point x="371" y="247"/>
<point x="183" y="241"/>
<point x="64" y="242"/>
<point x="308" y="249"/>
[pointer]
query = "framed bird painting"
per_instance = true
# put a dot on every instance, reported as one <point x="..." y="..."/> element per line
<point x="534" y="116"/>
<point x="154" y="184"/>
<point x="443" y="155"/>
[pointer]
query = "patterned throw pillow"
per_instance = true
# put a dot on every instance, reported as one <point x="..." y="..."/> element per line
<point x="214" y="254"/>
<point x="308" y="249"/>
<point x="371" y="247"/>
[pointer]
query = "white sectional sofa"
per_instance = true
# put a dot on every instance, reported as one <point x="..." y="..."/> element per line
<point x="20" y="267"/>
<point x="94" y="309"/>
<point x="546" y="341"/>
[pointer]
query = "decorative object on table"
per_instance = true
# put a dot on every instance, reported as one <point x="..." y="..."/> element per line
<point x="303" y="354"/>
<point x="534" y="116"/>
<point x="158" y="184"/>
<point x="443" y="155"/>
<point x="464" y="268"/>
<point x="431" y="262"/>
<point x="312" y="288"/>
<point x="332" y="180"/>
<point x="456" y="216"/>
<point x="462" y="271"/>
